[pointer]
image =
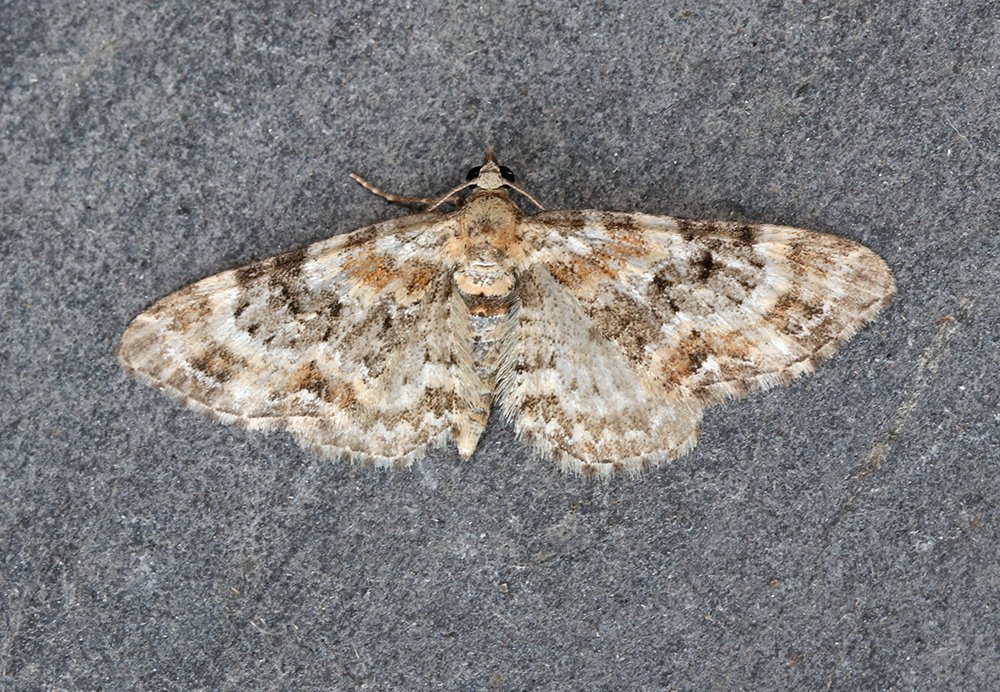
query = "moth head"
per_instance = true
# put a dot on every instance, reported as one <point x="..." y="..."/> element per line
<point x="491" y="175"/>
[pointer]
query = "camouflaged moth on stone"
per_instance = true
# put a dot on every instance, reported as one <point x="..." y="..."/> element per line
<point x="601" y="335"/>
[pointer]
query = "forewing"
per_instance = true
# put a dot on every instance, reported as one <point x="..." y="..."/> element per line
<point x="344" y="342"/>
<point x="713" y="309"/>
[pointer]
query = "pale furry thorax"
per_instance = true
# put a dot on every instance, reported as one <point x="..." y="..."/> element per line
<point x="601" y="335"/>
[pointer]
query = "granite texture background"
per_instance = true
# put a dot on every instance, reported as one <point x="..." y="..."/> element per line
<point x="840" y="532"/>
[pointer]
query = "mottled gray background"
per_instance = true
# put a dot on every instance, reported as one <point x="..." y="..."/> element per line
<point x="838" y="533"/>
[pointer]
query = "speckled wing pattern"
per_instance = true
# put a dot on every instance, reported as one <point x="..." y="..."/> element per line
<point x="601" y="335"/>
<point x="632" y="323"/>
<point x="344" y="343"/>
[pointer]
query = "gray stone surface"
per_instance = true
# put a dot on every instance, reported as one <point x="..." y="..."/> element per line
<point x="840" y="532"/>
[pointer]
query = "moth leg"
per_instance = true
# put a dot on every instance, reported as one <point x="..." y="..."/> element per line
<point x="402" y="199"/>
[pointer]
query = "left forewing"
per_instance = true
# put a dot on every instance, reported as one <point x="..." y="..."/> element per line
<point x="343" y="342"/>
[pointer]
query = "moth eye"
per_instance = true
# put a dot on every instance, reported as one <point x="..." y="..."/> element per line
<point x="473" y="173"/>
<point x="507" y="174"/>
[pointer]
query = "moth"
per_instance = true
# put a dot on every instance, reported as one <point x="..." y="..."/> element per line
<point x="601" y="335"/>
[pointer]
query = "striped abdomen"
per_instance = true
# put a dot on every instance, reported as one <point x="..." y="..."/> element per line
<point x="485" y="322"/>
